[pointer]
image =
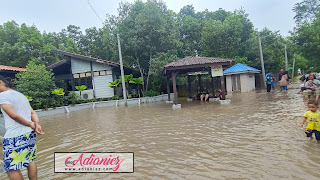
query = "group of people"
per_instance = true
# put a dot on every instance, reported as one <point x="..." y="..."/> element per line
<point x="203" y="94"/>
<point x="310" y="83"/>
<point x="283" y="79"/>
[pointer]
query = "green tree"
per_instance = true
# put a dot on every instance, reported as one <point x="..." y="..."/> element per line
<point x="80" y="89"/>
<point x="138" y="81"/>
<point x="58" y="92"/>
<point x="308" y="39"/>
<point x="306" y="11"/>
<point x="37" y="83"/>
<point x="146" y="29"/>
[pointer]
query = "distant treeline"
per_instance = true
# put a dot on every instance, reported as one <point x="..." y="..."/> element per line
<point x="153" y="35"/>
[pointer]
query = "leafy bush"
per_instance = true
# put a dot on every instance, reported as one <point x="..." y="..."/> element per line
<point x="73" y="97"/>
<point x="152" y="93"/>
<point x="115" y="97"/>
<point x="37" y="83"/>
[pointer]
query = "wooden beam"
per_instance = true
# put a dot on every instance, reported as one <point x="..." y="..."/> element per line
<point x="189" y="87"/>
<point x="174" y="84"/>
<point x="168" y="87"/>
<point x="223" y="89"/>
<point x="194" y="66"/>
<point x="212" y="86"/>
<point x="72" y="79"/>
<point x="200" y="83"/>
<point x="92" y="81"/>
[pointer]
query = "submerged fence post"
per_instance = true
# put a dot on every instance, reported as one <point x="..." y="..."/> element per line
<point x="67" y="110"/>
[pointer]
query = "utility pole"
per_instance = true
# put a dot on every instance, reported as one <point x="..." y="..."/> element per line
<point x="294" y="61"/>
<point x="120" y="57"/>
<point x="285" y="54"/>
<point x="122" y="73"/>
<point x="262" y="63"/>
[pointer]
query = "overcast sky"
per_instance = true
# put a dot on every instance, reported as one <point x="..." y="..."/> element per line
<point x="54" y="15"/>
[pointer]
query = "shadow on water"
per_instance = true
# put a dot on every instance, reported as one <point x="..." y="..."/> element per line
<point x="254" y="137"/>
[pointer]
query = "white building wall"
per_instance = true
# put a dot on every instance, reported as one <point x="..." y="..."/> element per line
<point x="229" y="83"/>
<point x="247" y="82"/>
<point x="101" y="86"/>
<point x="100" y="66"/>
<point x="80" y="66"/>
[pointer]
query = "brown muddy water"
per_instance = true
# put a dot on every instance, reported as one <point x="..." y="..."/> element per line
<point x="257" y="136"/>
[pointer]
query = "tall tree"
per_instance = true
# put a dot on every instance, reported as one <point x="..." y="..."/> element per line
<point x="146" y="29"/>
<point x="306" y="11"/>
<point x="308" y="39"/>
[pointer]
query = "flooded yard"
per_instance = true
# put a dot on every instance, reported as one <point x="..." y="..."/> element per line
<point x="257" y="136"/>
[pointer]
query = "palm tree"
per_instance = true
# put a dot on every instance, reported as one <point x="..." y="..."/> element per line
<point x="127" y="79"/>
<point x="59" y="92"/>
<point x="81" y="88"/>
<point x="138" y="81"/>
<point x="114" y="84"/>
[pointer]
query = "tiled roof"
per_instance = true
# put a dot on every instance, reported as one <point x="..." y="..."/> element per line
<point x="239" y="68"/>
<point x="85" y="57"/>
<point x="193" y="60"/>
<point x="10" y="68"/>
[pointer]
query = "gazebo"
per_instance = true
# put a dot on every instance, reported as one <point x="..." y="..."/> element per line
<point x="192" y="65"/>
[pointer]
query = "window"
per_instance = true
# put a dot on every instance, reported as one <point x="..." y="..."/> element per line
<point x="96" y="73"/>
<point x="87" y="81"/>
<point x="83" y="79"/>
<point x="82" y="75"/>
<point x="109" y="72"/>
<point x="102" y="73"/>
<point x="76" y="76"/>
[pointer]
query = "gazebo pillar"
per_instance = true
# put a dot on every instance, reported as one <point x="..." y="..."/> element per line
<point x="174" y="84"/>
<point x="200" y="84"/>
<point x="168" y="87"/>
<point x="189" y="86"/>
<point x="223" y="89"/>
<point x="212" y="85"/>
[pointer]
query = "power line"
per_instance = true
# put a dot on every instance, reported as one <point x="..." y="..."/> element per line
<point x="95" y="12"/>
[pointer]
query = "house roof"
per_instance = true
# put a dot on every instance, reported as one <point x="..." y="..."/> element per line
<point x="192" y="61"/>
<point x="52" y="66"/>
<point x="79" y="56"/>
<point x="240" y="68"/>
<point x="11" y="68"/>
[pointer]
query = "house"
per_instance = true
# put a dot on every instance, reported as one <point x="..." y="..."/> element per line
<point x="96" y="74"/>
<point x="10" y="71"/>
<point x="240" y="78"/>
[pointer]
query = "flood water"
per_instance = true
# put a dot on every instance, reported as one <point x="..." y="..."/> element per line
<point x="257" y="136"/>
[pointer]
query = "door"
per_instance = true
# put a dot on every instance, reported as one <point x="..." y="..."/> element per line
<point x="236" y="82"/>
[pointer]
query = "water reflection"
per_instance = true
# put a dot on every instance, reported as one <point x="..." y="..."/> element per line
<point x="255" y="137"/>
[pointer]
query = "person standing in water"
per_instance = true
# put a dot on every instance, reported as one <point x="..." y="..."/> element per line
<point x="284" y="82"/>
<point x="280" y="77"/>
<point x="21" y="124"/>
<point x="313" y="118"/>
<point x="269" y="78"/>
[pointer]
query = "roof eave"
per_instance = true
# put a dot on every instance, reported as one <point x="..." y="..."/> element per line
<point x="242" y="72"/>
